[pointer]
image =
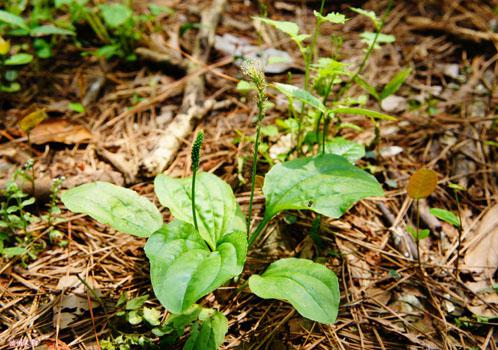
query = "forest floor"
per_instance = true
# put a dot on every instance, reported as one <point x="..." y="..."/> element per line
<point x="446" y="121"/>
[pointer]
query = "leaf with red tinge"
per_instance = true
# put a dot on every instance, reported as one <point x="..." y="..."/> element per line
<point x="422" y="183"/>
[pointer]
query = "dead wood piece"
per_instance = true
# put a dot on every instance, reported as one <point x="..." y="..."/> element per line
<point x="430" y="220"/>
<point x="452" y="28"/>
<point x="120" y="163"/>
<point x="403" y="241"/>
<point x="159" y="51"/>
<point x="93" y="90"/>
<point x="159" y="57"/>
<point x="194" y="107"/>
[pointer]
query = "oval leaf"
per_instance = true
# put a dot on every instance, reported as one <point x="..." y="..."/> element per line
<point x="350" y="150"/>
<point x="361" y="111"/>
<point x="12" y="19"/>
<point x="121" y="208"/>
<point x="216" y="207"/>
<point x="115" y="15"/>
<point x="209" y="333"/>
<point x="446" y="215"/>
<point x="183" y="269"/>
<point x="50" y="29"/>
<point x="289" y="28"/>
<point x="395" y="83"/>
<point x="304" y="96"/>
<point x="327" y="184"/>
<point x="422" y="183"/>
<point x="311" y="288"/>
<point x="18" y="59"/>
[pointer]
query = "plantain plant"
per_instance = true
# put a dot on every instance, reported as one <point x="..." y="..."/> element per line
<point x="187" y="263"/>
<point x="206" y="244"/>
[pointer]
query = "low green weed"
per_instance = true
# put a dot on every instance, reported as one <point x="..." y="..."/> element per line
<point x="16" y="239"/>
<point x="324" y="96"/>
<point x="206" y="245"/>
<point x="34" y="28"/>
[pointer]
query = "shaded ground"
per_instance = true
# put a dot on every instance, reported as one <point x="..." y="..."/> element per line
<point x="448" y="124"/>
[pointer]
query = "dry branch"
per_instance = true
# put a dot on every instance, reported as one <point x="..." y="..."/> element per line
<point x="194" y="106"/>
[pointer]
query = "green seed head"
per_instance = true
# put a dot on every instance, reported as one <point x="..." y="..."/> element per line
<point x="254" y="71"/>
<point x="196" y="150"/>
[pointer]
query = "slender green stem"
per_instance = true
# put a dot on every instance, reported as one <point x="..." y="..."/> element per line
<point x="417" y="233"/>
<point x="326" y="124"/>
<point x="254" y="165"/>
<point x="194" y="214"/>
<point x="258" y="230"/>
<point x="369" y="50"/>
<point x="459" y="233"/>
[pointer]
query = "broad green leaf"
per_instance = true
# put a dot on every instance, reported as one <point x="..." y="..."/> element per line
<point x="289" y="28"/>
<point x="361" y="111"/>
<point x="121" y="208"/>
<point x="50" y="29"/>
<point x="13" y="251"/>
<point x="12" y="87"/>
<point x="42" y="47"/>
<point x="293" y="92"/>
<point x="367" y="87"/>
<point x="156" y="10"/>
<point x="134" y="318"/>
<point x="215" y="203"/>
<point x="18" y="59"/>
<point x="422" y="183"/>
<point x="310" y="287"/>
<point x="209" y="332"/>
<point x="12" y="19"/>
<point x="369" y="37"/>
<point x="332" y="17"/>
<point x="152" y="316"/>
<point x="420" y="235"/>
<point x="76" y="107"/>
<point x="369" y="14"/>
<point x="350" y="150"/>
<point x="183" y="269"/>
<point x="137" y="302"/>
<point x="327" y="184"/>
<point x="178" y="322"/>
<point x="327" y="67"/>
<point x="446" y="215"/>
<point x="395" y="83"/>
<point x="115" y="15"/>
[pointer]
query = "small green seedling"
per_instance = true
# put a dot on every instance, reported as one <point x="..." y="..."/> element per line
<point x="446" y="215"/>
<point x="328" y="73"/>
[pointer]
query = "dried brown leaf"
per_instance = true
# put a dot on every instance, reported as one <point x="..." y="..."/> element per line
<point x="422" y="183"/>
<point x="60" y="130"/>
<point x="482" y="258"/>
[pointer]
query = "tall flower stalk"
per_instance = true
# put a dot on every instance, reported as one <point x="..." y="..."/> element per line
<point x="254" y="72"/>
<point x="196" y="151"/>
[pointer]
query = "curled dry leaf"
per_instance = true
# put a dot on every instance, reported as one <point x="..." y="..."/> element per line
<point x="359" y="268"/>
<point x="482" y="258"/>
<point x="59" y="130"/>
<point x="422" y="183"/>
